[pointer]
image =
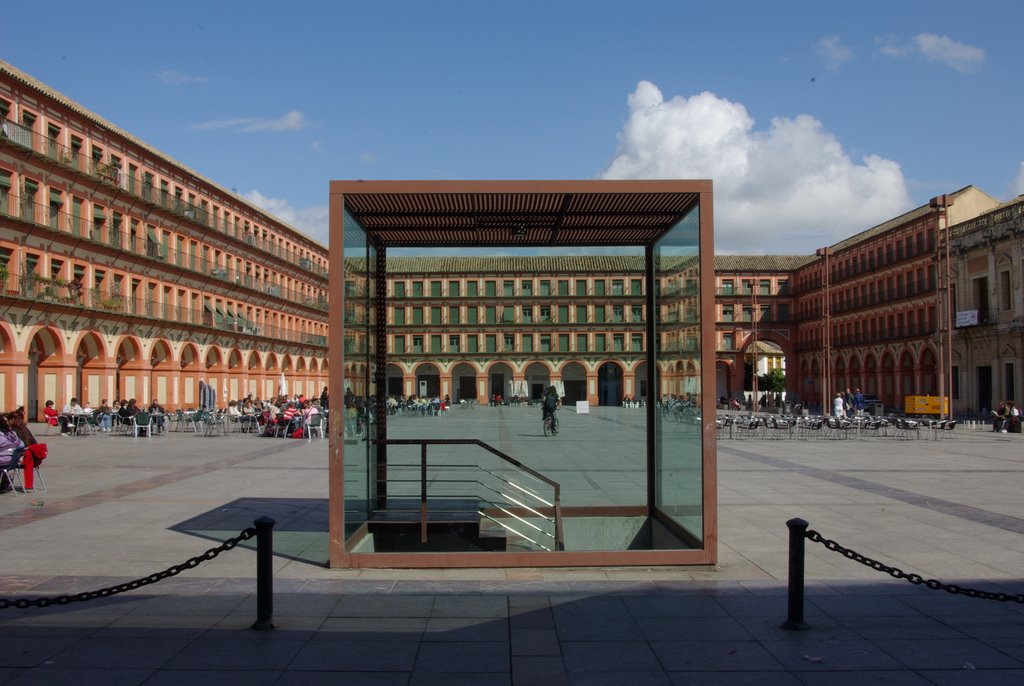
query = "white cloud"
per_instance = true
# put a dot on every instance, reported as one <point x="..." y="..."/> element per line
<point x="289" y="121"/>
<point x="312" y="221"/>
<point x="833" y="52"/>
<point x="943" y="49"/>
<point x="1018" y="183"/>
<point x="786" y="190"/>
<point x="960" y="56"/>
<point x="176" y="78"/>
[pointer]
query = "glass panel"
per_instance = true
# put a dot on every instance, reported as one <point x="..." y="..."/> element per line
<point x="678" y="456"/>
<point x="359" y="456"/>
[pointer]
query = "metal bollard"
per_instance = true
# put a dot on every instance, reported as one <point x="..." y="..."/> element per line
<point x="795" y="620"/>
<point x="264" y="573"/>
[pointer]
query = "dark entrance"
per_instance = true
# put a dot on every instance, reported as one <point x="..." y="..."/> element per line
<point x="609" y="384"/>
<point x="984" y="388"/>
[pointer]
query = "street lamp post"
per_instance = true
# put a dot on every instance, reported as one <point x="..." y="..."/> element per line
<point x="753" y="317"/>
<point x="943" y="294"/>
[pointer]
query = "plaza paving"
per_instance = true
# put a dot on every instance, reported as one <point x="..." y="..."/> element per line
<point x="119" y="508"/>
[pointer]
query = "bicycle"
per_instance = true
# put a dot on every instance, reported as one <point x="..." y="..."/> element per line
<point x="550" y="425"/>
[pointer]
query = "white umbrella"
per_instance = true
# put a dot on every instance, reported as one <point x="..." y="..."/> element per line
<point x="282" y="385"/>
<point x="524" y="389"/>
<point x="560" y="389"/>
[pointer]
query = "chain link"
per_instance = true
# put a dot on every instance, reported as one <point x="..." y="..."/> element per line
<point x="915" y="579"/>
<point x="190" y="563"/>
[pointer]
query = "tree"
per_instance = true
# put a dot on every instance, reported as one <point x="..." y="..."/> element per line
<point x="772" y="382"/>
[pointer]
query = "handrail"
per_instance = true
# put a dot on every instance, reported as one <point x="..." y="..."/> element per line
<point x="424" y="442"/>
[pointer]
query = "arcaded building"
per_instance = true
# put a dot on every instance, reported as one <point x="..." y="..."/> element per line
<point x="124" y="274"/>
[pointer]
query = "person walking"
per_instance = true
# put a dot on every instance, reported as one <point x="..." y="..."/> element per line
<point x="549" y="406"/>
<point x="838" y="408"/>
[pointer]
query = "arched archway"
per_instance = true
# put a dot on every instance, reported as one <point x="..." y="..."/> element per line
<point x="428" y="380"/>
<point x="537" y="379"/>
<point x="574" y="380"/>
<point x="856" y="382"/>
<point x="394" y="380"/>
<point x="191" y="371"/>
<point x="889" y="380"/>
<point x="130" y="369"/>
<point x="45" y="366"/>
<point x="928" y="370"/>
<point x="906" y="372"/>
<point x="90" y="370"/>
<point x="609" y="384"/>
<point x="464" y="382"/>
<point x="499" y="375"/>
<point x="870" y="375"/>
<point x="161" y="370"/>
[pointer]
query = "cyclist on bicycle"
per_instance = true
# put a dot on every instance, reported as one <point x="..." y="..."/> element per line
<point x="551" y="403"/>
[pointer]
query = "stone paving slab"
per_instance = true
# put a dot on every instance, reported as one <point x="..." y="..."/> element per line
<point x="118" y="508"/>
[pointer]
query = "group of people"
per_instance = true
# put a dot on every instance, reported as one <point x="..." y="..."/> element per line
<point x="15" y="435"/>
<point x="104" y="416"/>
<point x="848" y="404"/>
<point x="1006" y="418"/>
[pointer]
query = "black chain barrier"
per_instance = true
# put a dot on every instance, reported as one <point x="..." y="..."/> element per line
<point x="916" y="579"/>
<point x="191" y="563"/>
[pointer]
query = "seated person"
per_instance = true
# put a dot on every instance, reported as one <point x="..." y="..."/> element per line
<point x="71" y="411"/>
<point x="50" y="414"/>
<point x="292" y="417"/>
<point x="158" y="415"/>
<point x="9" y="442"/>
<point x="104" y="416"/>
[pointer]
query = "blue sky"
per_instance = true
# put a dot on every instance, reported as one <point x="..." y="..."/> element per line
<point x="814" y="119"/>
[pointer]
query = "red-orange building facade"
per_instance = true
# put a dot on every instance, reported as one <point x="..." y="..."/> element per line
<point x="127" y="275"/>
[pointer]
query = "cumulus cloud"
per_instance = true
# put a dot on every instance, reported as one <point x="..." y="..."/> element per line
<point x="786" y="190"/>
<point x="942" y="49"/>
<point x="1018" y="183"/>
<point x="833" y="52"/>
<point x="289" y="121"/>
<point x="176" y="78"/>
<point x="312" y="221"/>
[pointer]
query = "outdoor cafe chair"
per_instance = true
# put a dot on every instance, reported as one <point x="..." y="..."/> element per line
<point x="14" y="467"/>
<point x="314" y="423"/>
<point x="143" y="421"/>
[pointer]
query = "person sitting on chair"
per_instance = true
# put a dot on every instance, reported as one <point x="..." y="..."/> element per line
<point x="9" y="442"/>
<point x="70" y="413"/>
<point x="50" y="414"/>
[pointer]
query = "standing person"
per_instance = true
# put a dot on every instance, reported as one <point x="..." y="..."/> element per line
<point x="848" y="402"/>
<point x="325" y="399"/>
<point x="858" y="402"/>
<point x="838" y="406"/>
<point x="549" y="406"/>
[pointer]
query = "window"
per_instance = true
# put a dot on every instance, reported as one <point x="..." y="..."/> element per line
<point x="399" y="289"/>
<point x="617" y="314"/>
<point x="618" y="342"/>
<point x="491" y="343"/>
<point x="490" y="288"/>
<point x="527" y="288"/>
<point x="727" y="313"/>
<point x="544" y="288"/>
<point x="766" y="286"/>
<point x="508" y="288"/>
<point x="727" y="343"/>
<point x="599" y="314"/>
<point x="637" y="314"/>
<point x="471" y="288"/>
<point x="508" y="314"/>
<point x="581" y="287"/>
<point x="563" y="314"/>
<point x="563" y="342"/>
<point x="472" y="315"/>
<point x="435" y="344"/>
<point x="453" y="344"/>
<point x="527" y="314"/>
<point x="417" y="289"/>
<point x="618" y="287"/>
<point x="636" y="287"/>
<point x="599" y="342"/>
<point x="435" y="289"/>
<point x="453" y="315"/>
<point x="563" y="287"/>
<point x="435" y="315"/>
<point x="491" y="316"/>
<point x="599" y="287"/>
<point x="636" y="343"/>
<point x="981" y="299"/>
<point x="453" y="289"/>
<point x="545" y="314"/>
<point x="545" y="343"/>
<point x="472" y="343"/>
<point x="417" y="315"/>
<point x="399" y="316"/>
<point x="510" y="343"/>
<point x="399" y="345"/>
<point x="1005" y="300"/>
<point x="581" y="342"/>
<point x="581" y="314"/>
